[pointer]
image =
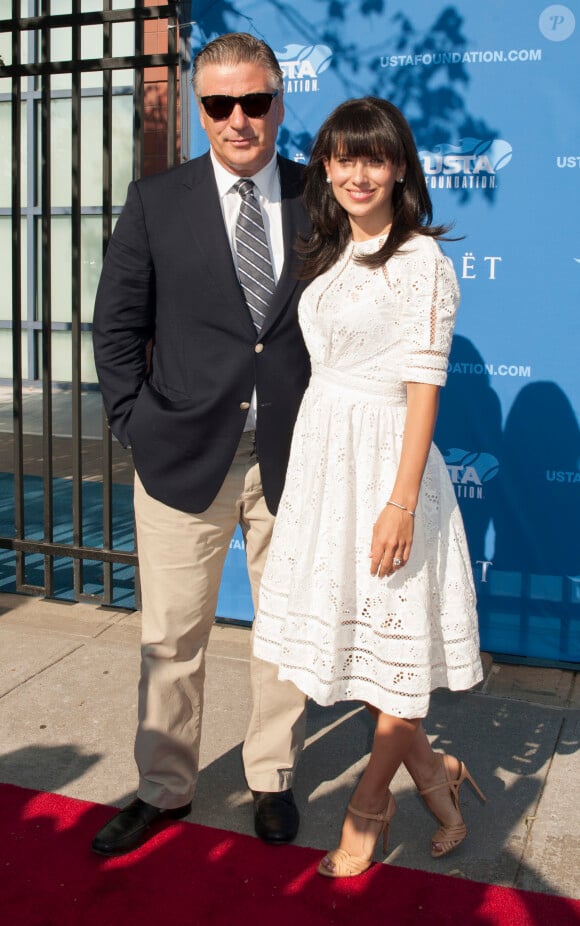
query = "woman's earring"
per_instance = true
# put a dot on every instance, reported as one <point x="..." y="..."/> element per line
<point x="328" y="180"/>
<point x="401" y="180"/>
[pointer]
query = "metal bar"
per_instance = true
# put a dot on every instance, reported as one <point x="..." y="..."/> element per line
<point x="76" y="424"/>
<point x="33" y="204"/>
<point x="17" y="306"/>
<point x="68" y="550"/>
<point x="61" y="93"/>
<point x="184" y="91"/>
<point x="92" y="598"/>
<point x="107" y="228"/>
<point x="107" y="63"/>
<point x="138" y="150"/>
<point x="33" y="208"/>
<point x="139" y="100"/>
<point x="37" y="325"/>
<point x="172" y="71"/>
<point x="46" y="309"/>
<point x="94" y="18"/>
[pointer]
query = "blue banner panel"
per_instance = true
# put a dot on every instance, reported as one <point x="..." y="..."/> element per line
<point x="235" y="598"/>
<point x="492" y="94"/>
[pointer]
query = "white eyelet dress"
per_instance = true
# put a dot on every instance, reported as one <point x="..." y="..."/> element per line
<point x="333" y="629"/>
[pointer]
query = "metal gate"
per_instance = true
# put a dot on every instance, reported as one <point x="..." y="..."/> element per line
<point x="66" y="518"/>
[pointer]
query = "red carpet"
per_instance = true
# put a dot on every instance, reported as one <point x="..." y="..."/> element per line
<point x="195" y="876"/>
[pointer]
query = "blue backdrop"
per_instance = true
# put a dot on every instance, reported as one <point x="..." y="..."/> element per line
<point x="492" y="94"/>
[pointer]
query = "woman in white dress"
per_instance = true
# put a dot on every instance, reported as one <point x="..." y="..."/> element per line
<point x="368" y="592"/>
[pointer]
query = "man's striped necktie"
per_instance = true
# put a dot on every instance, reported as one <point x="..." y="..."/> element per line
<point x="254" y="261"/>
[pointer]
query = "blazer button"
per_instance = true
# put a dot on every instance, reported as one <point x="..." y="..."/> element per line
<point x="244" y="406"/>
<point x="259" y="348"/>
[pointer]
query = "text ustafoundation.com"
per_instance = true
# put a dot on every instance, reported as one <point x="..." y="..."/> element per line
<point x="430" y="59"/>
<point x="491" y="369"/>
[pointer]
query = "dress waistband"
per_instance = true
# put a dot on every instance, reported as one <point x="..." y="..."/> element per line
<point x="356" y="388"/>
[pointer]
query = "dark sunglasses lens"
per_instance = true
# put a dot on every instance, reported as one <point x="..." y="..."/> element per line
<point x="256" y="104"/>
<point x="218" y="107"/>
<point x="253" y="105"/>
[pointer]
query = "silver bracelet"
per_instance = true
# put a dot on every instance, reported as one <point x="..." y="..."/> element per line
<point x="402" y="507"/>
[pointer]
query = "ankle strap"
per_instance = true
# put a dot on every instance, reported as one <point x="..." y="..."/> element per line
<point x="451" y="783"/>
<point x="442" y="784"/>
<point x="380" y="817"/>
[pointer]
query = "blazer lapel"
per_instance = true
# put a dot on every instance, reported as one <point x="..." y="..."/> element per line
<point x="294" y="222"/>
<point x="203" y="215"/>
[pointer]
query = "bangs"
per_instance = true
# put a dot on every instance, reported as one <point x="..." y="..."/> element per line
<point x="365" y="134"/>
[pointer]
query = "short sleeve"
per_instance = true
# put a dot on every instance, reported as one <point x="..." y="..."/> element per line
<point x="432" y="298"/>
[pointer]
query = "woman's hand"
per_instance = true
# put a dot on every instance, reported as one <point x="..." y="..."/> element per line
<point x="392" y="541"/>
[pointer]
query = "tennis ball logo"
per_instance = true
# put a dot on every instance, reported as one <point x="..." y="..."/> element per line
<point x="470" y="466"/>
<point x="498" y="152"/>
<point x="303" y="61"/>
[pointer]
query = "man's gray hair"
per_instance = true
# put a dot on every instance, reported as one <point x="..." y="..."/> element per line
<point x="238" y="48"/>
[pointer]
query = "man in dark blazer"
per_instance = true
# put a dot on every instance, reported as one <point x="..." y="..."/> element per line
<point x="205" y="392"/>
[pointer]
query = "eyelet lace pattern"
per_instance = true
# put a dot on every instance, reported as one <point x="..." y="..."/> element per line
<point x="334" y="630"/>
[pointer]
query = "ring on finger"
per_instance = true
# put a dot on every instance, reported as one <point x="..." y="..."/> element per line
<point x="397" y="561"/>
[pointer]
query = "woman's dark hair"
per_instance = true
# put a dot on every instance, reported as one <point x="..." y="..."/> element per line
<point x="369" y="127"/>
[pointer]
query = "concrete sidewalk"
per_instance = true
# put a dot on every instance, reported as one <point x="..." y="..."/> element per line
<point x="68" y="678"/>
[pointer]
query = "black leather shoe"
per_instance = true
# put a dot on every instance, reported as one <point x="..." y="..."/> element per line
<point x="133" y="826"/>
<point x="275" y="816"/>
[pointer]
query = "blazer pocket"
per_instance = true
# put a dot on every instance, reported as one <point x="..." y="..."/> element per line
<point x="154" y="415"/>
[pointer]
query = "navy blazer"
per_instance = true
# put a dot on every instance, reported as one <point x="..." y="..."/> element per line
<point x="169" y="279"/>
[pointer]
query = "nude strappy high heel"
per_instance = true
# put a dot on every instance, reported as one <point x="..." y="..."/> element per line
<point x="347" y="865"/>
<point x="449" y="836"/>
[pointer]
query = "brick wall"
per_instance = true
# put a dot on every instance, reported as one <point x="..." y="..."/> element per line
<point x="155" y="112"/>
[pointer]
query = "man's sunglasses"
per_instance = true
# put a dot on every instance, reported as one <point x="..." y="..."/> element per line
<point x="254" y="105"/>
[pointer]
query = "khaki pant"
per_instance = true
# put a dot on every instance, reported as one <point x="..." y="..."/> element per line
<point x="181" y="558"/>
